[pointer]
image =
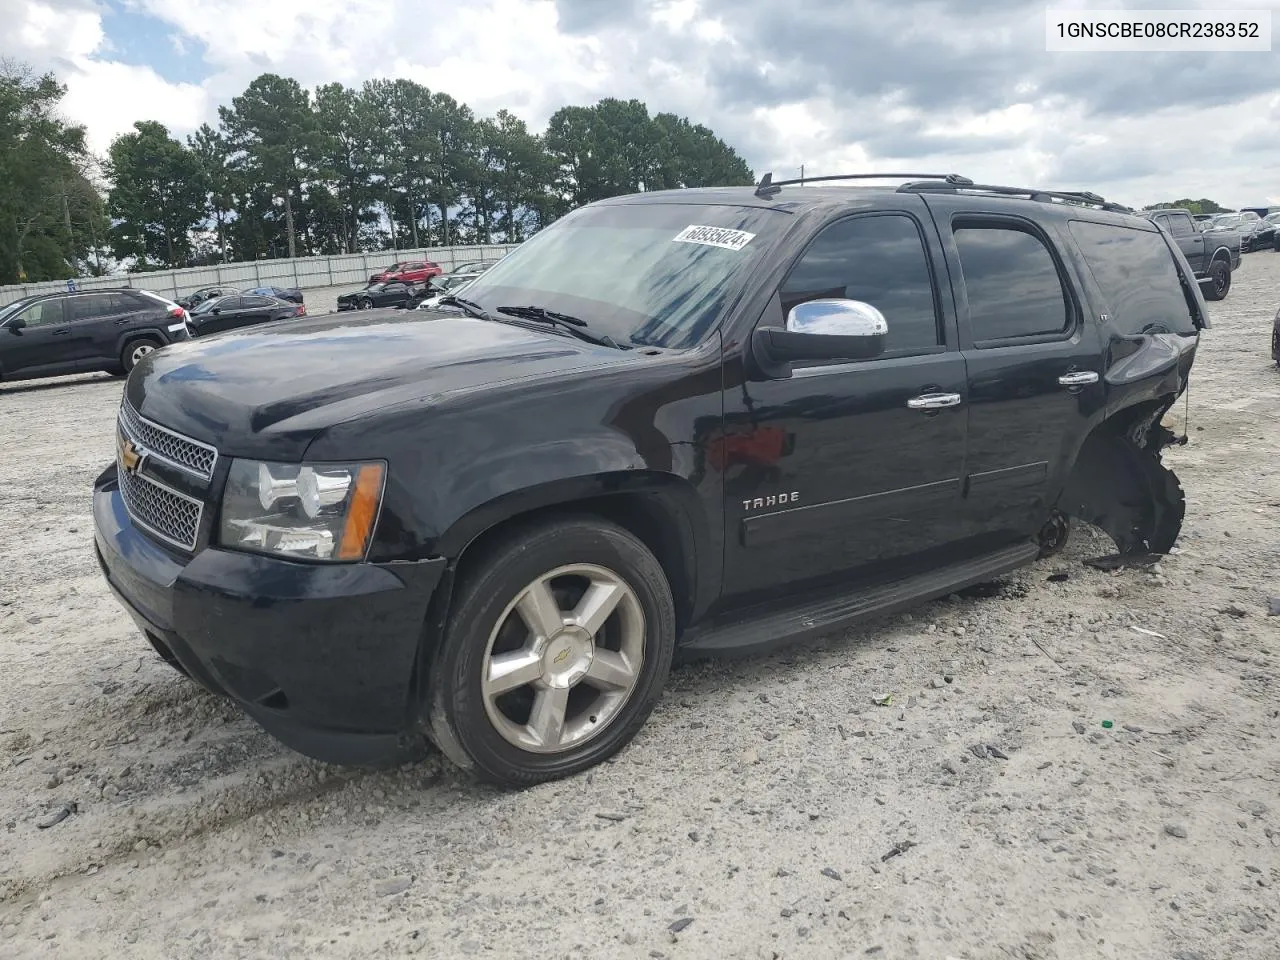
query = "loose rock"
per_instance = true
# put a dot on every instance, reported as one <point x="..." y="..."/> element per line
<point x="389" y="888"/>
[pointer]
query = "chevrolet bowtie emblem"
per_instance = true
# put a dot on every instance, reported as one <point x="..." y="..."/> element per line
<point x="130" y="456"/>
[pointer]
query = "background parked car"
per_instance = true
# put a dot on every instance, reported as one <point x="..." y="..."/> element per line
<point x="59" y="333"/>
<point x="1266" y="235"/>
<point x="292" y="294"/>
<point x="448" y="285"/>
<point x="472" y="266"/>
<point x="242" y="310"/>
<point x="1275" y="331"/>
<point x="1213" y="254"/>
<point x="1246" y="223"/>
<point x="410" y="271"/>
<point x="192" y="300"/>
<point x="394" y="293"/>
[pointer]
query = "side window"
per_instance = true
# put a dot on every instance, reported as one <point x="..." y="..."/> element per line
<point x="879" y="260"/>
<point x="44" y="313"/>
<point x="1134" y="271"/>
<point x="1163" y="220"/>
<point x="90" y="306"/>
<point x="255" y="302"/>
<point x="1012" y="283"/>
<point x="1181" y="224"/>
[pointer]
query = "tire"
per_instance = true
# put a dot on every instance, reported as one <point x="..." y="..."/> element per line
<point x="135" y="350"/>
<point x="364" y="305"/>
<point x="1220" y="275"/>
<point x="494" y="732"/>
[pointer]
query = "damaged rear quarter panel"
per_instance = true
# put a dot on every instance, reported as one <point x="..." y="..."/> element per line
<point x="1118" y="482"/>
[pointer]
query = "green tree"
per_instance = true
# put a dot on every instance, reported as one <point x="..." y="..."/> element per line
<point x="51" y="211"/>
<point x="1194" y="206"/>
<point x="213" y="153"/>
<point x="157" y="196"/>
<point x="615" y="147"/>
<point x="347" y="127"/>
<point x="510" y="185"/>
<point x="276" y="136"/>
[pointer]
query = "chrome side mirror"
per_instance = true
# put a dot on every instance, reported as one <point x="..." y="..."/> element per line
<point x="829" y="329"/>
<point x="838" y="318"/>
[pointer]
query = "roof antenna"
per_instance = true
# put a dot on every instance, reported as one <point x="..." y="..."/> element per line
<point x="766" y="190"/>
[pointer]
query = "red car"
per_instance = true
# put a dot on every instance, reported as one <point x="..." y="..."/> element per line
<point x="410" y="271"/>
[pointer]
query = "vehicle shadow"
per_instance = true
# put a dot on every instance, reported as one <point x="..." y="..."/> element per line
<point x="17" y="387"/>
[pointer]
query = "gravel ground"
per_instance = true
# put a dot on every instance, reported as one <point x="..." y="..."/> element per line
<point x="769" y="808"/>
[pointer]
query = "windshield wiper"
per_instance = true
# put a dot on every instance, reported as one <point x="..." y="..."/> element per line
<point x="574" y="325"/>
<point x="470" y="307"/>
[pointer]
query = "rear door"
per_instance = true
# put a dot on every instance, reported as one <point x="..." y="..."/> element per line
<point x="255" y="310"/>
<point x="104" y="319"/>
<point x="1034" y="366"/>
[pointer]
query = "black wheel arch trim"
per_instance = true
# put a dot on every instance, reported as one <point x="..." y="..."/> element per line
<point x="630" y="498"/>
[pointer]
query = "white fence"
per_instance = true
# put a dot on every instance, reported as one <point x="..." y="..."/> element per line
<point x="303" y="272"/>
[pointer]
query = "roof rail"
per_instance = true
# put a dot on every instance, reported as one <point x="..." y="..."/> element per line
<point x="769" y="187"/>
<point x="1080" y="197"/>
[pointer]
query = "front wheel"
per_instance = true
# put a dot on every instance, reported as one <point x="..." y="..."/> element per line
<point x="554" y="655"/>
<point x="1220" y="280"/>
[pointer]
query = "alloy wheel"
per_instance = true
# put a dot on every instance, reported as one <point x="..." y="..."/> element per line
<point x="563" y="659"/>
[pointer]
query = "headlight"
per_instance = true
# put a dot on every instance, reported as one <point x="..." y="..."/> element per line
<point x="321" y="511"/>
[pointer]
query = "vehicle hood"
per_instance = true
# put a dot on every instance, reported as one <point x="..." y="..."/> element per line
<point x="266" y="391"/>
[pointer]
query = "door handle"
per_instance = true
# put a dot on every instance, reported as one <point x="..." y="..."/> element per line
<point x="934" y="401"/>
<point x="1078" y="379"/>
<point x="61" y="333"/>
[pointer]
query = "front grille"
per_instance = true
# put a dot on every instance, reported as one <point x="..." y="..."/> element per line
<point x="190" y="455"/>
<point x="172" y="516"/>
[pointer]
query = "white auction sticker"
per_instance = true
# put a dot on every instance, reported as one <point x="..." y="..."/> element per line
<point x="715" y="237"/>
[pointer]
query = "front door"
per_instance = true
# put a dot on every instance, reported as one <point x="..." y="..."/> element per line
<point x="841" y="471"/>
<point x="1190" y="240"/>
<point x="43" y="347"/>
<point x="1034" y="363"/>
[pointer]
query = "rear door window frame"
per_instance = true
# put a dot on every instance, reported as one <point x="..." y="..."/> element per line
<point x="961" y="219"/>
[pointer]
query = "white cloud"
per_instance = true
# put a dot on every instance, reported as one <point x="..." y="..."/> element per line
<point x="109" y="97"/>
<point x="1005" y="116"/>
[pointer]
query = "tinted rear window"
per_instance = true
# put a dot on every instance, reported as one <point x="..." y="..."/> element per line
<point x="1012" y="283"/>
<point x="1135" y="272"/>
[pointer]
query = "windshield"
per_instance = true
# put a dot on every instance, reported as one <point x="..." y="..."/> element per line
<point x="653" y="274"/>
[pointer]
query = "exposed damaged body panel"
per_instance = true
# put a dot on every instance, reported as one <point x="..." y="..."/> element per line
<point x="1119" y="483"/>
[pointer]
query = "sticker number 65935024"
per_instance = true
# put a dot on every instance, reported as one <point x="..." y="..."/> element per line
<point x="715" y="237"/>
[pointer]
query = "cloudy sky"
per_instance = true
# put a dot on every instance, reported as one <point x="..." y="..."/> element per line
<point x="838" y="85"/>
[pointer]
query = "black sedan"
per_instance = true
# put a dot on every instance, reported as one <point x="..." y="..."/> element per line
<point x="193" y="300"/>
<point x="230" y="313"/>
<point x="391" y="294"/>
<point x="292" y="294"/>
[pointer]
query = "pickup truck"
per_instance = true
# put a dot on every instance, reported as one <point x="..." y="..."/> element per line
<point x="1214" y="254"/>
<point x="679" y="423"/>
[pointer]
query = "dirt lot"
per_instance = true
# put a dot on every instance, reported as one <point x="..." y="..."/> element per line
<point x="754" y="815"/>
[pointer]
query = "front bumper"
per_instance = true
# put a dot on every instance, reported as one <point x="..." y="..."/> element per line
<point x="323" y="656"/>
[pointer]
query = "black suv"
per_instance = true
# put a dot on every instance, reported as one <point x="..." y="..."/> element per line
<point x="696" y="422"/>
<point x="59" y="333"/>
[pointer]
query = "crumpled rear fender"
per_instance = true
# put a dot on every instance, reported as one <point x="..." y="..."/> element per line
<point x="1120" y="485"/>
